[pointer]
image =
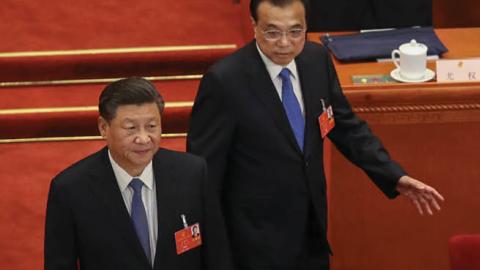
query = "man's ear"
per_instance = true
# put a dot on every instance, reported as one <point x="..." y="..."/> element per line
<point x="254" y="25"/>
<point x="102" y="126"/>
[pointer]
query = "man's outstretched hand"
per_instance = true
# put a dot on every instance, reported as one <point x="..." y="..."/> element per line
<point x="423" y="196"/>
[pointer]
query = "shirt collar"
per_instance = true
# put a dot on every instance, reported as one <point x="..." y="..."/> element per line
<point x="274" y="69"/>
<point x="123" y="178"/>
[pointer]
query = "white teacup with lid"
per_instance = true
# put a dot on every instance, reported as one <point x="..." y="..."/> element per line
<point x="413" y="60"/>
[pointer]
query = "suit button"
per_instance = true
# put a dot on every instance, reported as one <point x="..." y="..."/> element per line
<point x="306" y="164"/>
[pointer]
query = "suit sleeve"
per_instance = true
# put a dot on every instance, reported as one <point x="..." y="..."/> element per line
<point x="217" y="254"/>
<point x="59" y="247"/>
<point x="211" y="129"/>
<point x="356" y="142"/>
<point x="210" y="136"/>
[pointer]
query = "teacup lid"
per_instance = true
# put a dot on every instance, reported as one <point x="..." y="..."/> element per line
<point x="413" y="47"/>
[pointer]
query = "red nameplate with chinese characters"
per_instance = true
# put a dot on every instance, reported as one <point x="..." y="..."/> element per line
<point x="326" y="121"/>
<point x="188" y="238"/>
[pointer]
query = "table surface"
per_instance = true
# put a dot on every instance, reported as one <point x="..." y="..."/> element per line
<point x="461" y="43"/>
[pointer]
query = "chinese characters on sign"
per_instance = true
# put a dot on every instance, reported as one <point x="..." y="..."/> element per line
<point x="458" y="70"/>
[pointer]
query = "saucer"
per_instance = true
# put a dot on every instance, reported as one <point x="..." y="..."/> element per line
<point x="429" y="74"/>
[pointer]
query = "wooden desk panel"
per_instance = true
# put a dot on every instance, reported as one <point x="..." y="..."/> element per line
<point x="433" y="130"/>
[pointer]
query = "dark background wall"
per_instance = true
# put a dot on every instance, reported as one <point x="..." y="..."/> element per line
<point x="328" y="15"/>
<point x="331" y="15"/>
<point x="456" y="13"/>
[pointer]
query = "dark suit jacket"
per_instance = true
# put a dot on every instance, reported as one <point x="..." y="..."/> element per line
<point x="87" y="220"/>
<point x="274" y="196"/>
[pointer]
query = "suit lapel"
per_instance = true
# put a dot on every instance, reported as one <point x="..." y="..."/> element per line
<point x="105" y="188"/>
<point x="166" y="205"/>
<point x="263" y="88"/>
<point x="308" y="102"/>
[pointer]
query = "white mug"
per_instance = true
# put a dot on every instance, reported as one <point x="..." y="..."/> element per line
<point x="413" y="60"/>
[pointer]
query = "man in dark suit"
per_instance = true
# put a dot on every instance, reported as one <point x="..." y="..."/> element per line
<point x="120" y="208"/>
<point x="256" y="121"/>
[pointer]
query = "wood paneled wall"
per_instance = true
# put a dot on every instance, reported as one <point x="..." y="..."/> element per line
<point x="462" y="13"/>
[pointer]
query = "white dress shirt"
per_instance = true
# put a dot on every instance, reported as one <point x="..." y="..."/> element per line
<point x="149" y="197"/>
<point x="274" y="71"/>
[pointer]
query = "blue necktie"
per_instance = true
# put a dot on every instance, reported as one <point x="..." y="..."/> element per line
<point x="292" y="107"/>
<point x="139" y="216"/>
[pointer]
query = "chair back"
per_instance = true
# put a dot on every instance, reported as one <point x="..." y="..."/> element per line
<point x="465" y="252"/>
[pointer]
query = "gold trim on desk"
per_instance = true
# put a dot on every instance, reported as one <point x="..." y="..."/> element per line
<point x="182" y="104"/>
<point x="178" y="104"/>
<point x="97" y="81"/>
<point x="417" y="108"/>
<point x="118" y="50"/>
<point x="420" y="114"/>
<point x="75" y="138"/>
